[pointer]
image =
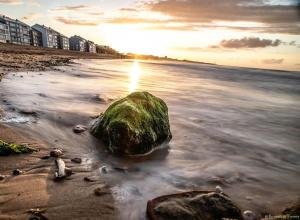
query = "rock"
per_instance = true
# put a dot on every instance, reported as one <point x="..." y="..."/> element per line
<point x="194" y="205"/>
<point x="89" y="179"/>
<point x="68" y="171"/>
<point x="76" y="160"/>
<point x="136" y="124"/>
<point x="79" y="129"/>
<point x="2" y="177"/>
<point x="8" y="149"/>
<point x="219" y="189"/>
<point x="249" y="215"/>
<point x="56" y="153"/>
<point x="28" y="112"/>
<point x="102" y="190"/>
<point x="294" y="210"/>
<point x="103" y="169"/>
<point x="45" y="157"/>
<point x="17" y="172"/>
<point x="98" y="98"/>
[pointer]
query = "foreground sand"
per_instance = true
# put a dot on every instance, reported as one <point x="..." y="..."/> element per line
<point x="72" y="198"/>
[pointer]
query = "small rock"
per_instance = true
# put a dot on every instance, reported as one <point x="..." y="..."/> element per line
<point x="17" y="172"/>
<point x="28" y="112"/>
<point x="76" y="160"/>
<point x="2" y="177"/>
<point x="98" y="98"/>
<point x="45" y="157"/>
<point x="89" y="179"/>
<point x="103" y="169"/>
<point x="68" y="171"/>
<point x="79" y="129"/>
<point x="121" y="169"/>
<point x="56" y="153"/>
<point x="102" y="190"/>
<point x="249" y="215"/>
<point x="219" y="189"/>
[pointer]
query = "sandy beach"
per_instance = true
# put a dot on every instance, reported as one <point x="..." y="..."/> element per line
<point x="36" y="188"/>
<point x="228" y="124"/>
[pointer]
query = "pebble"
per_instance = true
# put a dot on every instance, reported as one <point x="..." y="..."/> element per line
<point x="103" y="169"/>
<point x="76" y="160"/>
<point x="17" y="172"/>
<point x="249" y="215"/>
<point x="79" y="129"/>
<point x="2" y="177"/>
<point x="219" y="189"/>
<point x="89" y="179"/>
<point x="56" y="153"/>
<point x="100" y="191"/>
<point x="68" y="171"/>
<point x="45" y="157"/>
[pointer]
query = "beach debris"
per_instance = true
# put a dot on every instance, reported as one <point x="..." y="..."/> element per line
<point x="136" y="124"/>
<point x="219" y="189"/>
<point x="101" y="190"/>
<point x="76" y="160"/>
<point x="2" y="177"/>
<point x="7" y="149"/>
<point x="249" y="215"/>
<point x="62" y="170"/>
<point x="17" y="172"/>
<point x="79" y="129"/>
<point x="89" y="179"/>
<point x="200" y="205"/>
<point x="103" y="169"/>
<point x="56" y="153"/>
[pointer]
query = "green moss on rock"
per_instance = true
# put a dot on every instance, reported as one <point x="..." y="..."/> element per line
<point x="8" y="149"/>
<point x="135" y="124"/>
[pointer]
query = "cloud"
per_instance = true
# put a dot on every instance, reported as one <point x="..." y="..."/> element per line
<point x="249" y="42"/>
<point x="132" y="20"/>
<point x="275" y="17"/>
<point x="70" y="8"/>
<point x="75" y="21"/>
<point x="11" y="2"/>
<point x="31" y="16"/>
<point x="273" y="61"/>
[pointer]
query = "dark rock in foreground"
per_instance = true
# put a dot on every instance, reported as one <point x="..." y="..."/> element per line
<point x="293" y="210"/>
<point x="133" y="125"/>
<point x="7" y="149"/>
<point x="194" y="205"/>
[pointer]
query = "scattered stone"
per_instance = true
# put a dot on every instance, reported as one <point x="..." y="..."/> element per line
<point x="136" y="124"/>
<point x="249" y="215"/>
<point x="28" y="112"/>
<point x="79" y="129"/>
<point x="2" y="177"/>
<point x="68" y="171"/>
<point x="98" y="98"/>
<point x="102" y="190"/>
<point x="56" y="153"/>
<point x="103" y="169"/>
<point x="219" y="189"/>
<point x="200" y="205"/>
<point x="7" y="149"/>
<point x="17" y="172"/>
<point x="76" y="160"/>
<point x="121" y="169"/>
<point x="89" y="179"/>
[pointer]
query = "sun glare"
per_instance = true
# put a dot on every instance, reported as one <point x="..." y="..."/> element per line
<point x="134" y="76"/>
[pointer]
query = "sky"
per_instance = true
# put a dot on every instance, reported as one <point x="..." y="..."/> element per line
<point x="249" y="33"/>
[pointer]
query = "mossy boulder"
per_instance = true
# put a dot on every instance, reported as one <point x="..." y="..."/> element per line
<point x="7" y="149"/>
<point x="136" y="124"/>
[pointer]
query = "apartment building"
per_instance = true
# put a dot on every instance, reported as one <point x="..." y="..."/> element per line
<point x="78" y="43"/>
<point x="4" y="31"/>
<point x="14" y="31"/>
<point x="50" y="37"/>
<point x="36" y="38"/>
<point x="91" y="47"/>
<point x="63" y="42"/>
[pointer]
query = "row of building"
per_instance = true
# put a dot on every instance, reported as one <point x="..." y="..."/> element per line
<point x="17" y="32"/>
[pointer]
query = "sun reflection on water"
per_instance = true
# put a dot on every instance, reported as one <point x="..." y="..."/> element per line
<point x="134" y="75"/>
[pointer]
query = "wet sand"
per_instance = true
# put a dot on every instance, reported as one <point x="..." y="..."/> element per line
<point x="233" y="127"/>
